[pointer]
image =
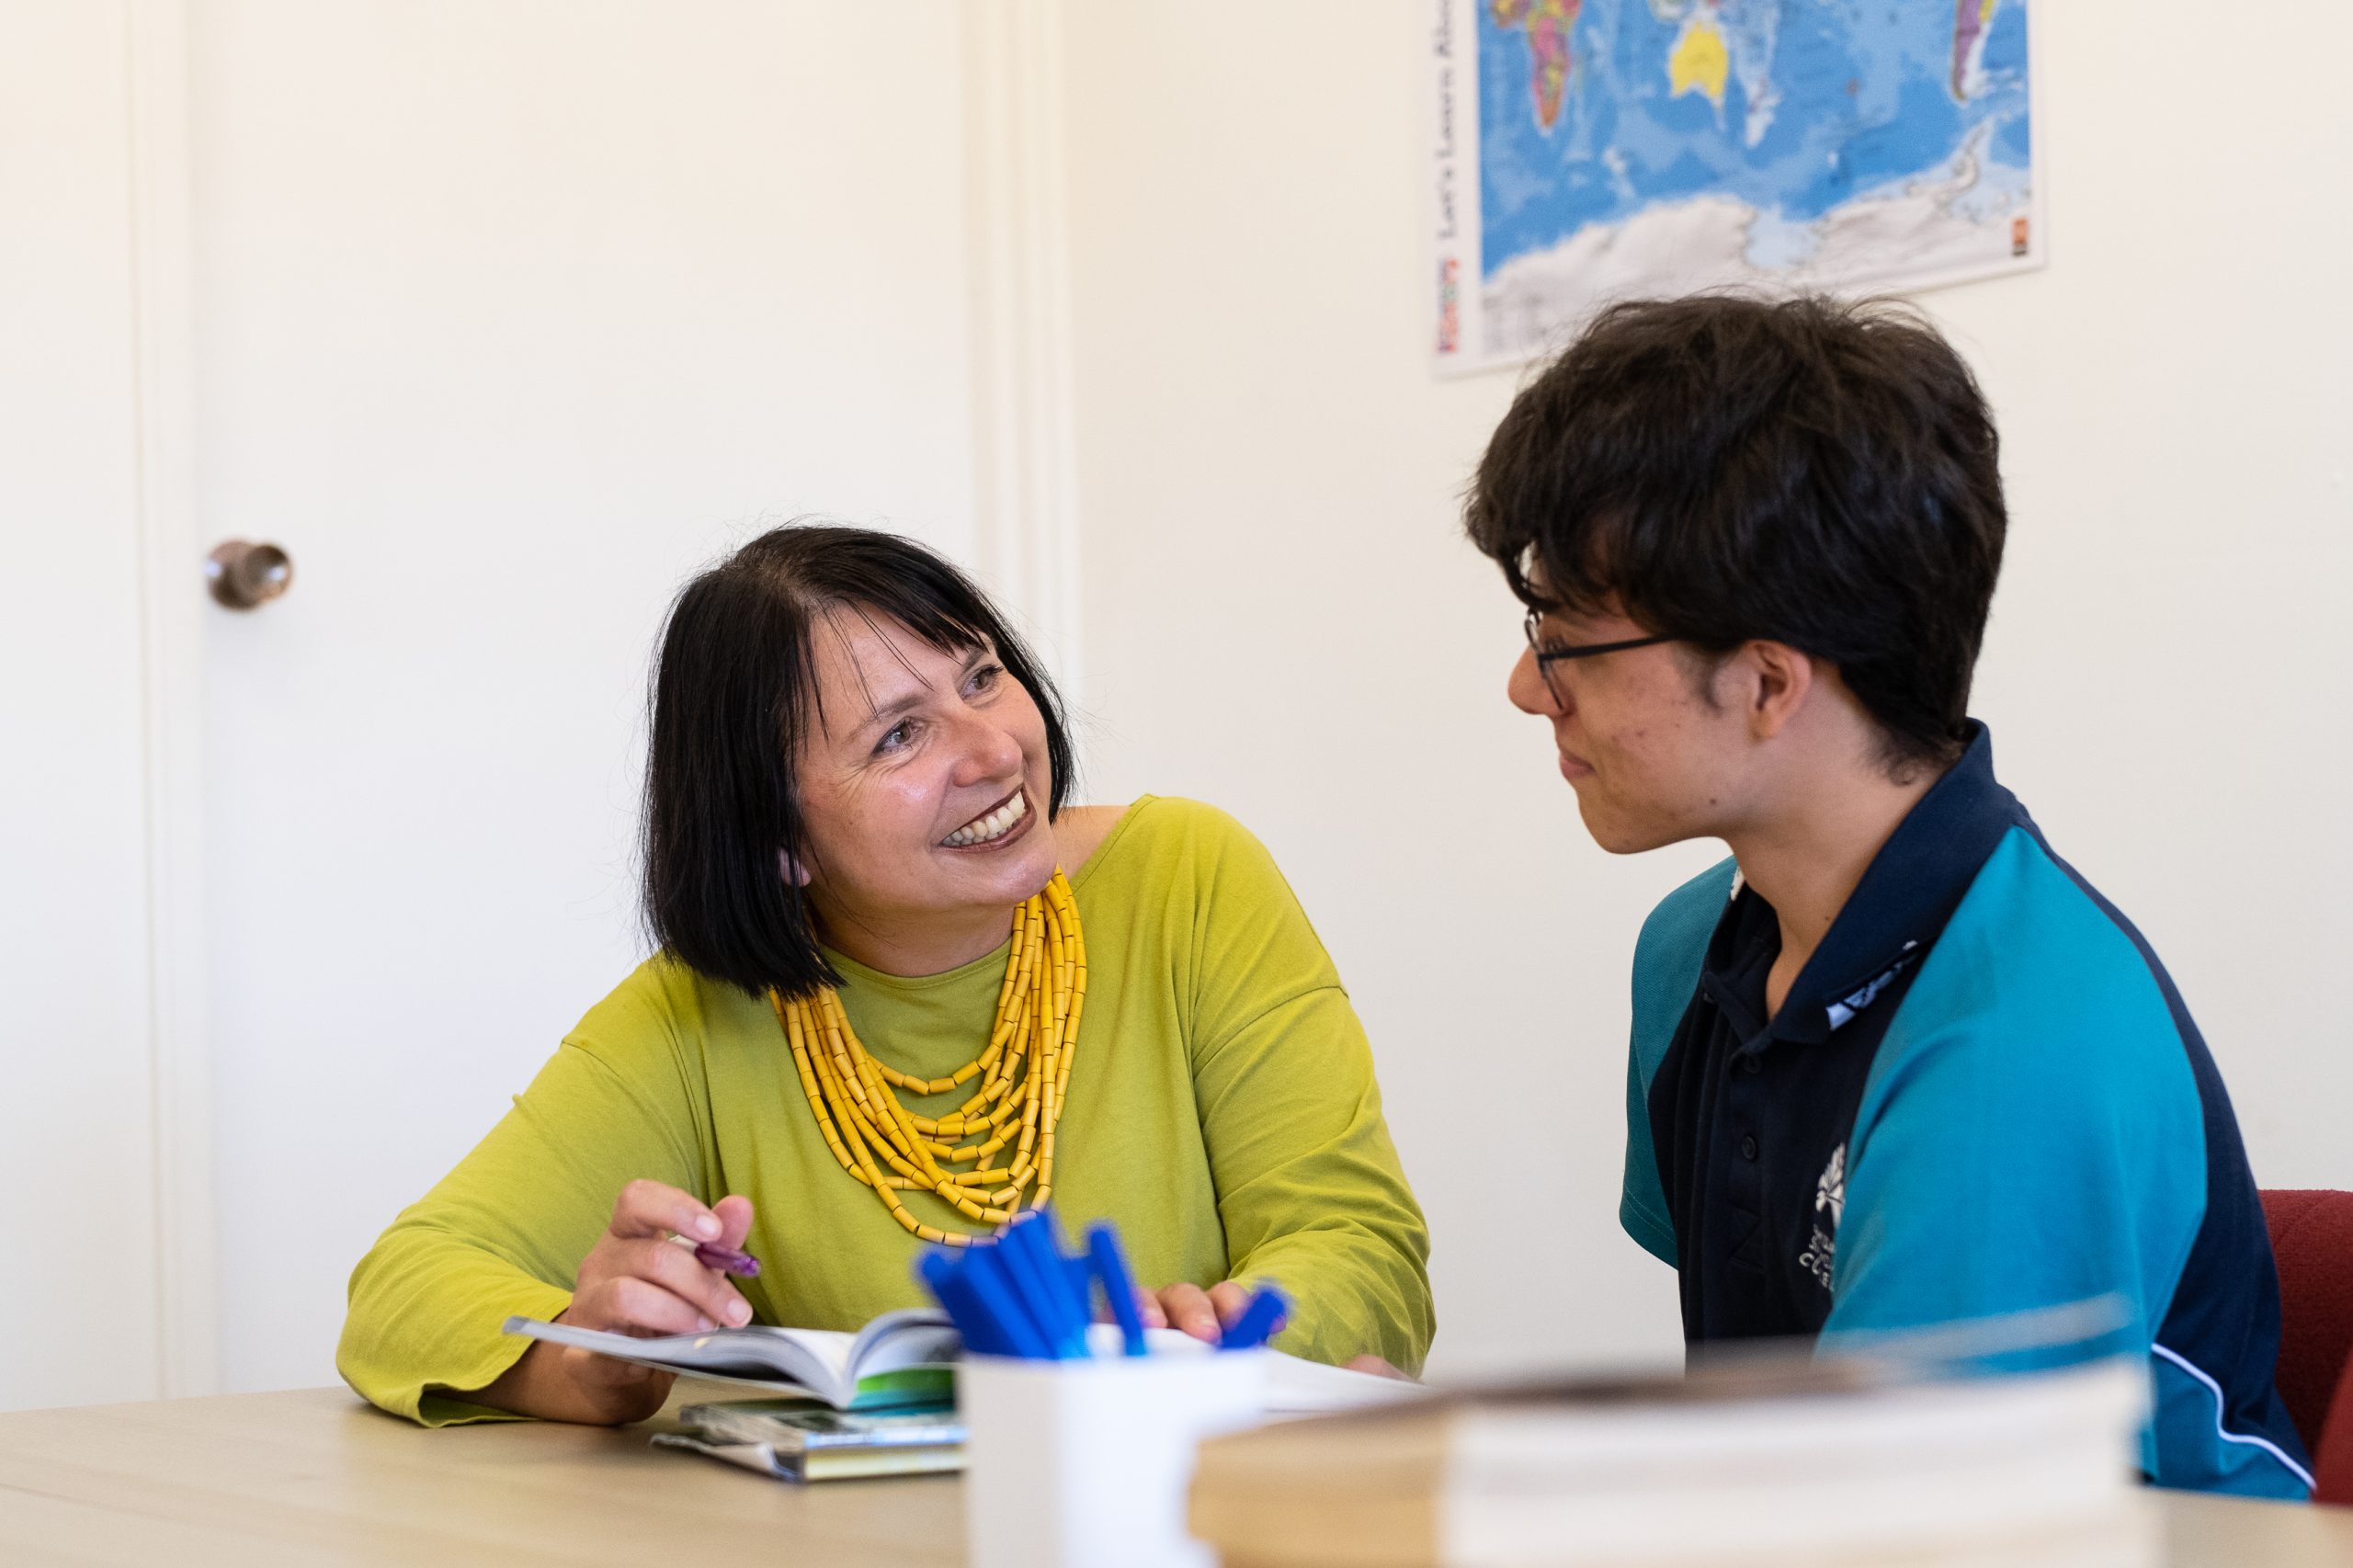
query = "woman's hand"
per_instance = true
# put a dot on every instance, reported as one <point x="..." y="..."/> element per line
<point x="634" y="1280"/>
<point x="1204" y="1315"/>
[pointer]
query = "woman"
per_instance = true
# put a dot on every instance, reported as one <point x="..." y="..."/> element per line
<point x="880" y="1017"/>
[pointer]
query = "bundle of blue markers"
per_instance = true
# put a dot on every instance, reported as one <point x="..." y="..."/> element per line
<point x="1022" y="1296"/>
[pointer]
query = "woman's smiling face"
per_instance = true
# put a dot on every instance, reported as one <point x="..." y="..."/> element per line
<point x="923" y="782"/>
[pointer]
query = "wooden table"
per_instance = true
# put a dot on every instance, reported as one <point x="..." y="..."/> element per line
<point x="314" y="1476"/>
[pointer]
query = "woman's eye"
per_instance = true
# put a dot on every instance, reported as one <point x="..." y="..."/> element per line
<point x="985" y="677"/>
<point x="896" y="736"/>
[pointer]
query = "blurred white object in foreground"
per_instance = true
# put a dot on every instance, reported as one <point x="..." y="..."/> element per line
<point x="1765" y="1464"/>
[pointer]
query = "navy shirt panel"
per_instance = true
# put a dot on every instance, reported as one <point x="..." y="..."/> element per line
<point x="1750" y="1114"/>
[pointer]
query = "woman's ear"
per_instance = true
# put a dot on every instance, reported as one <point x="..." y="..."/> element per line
<point x="791" y="870"/>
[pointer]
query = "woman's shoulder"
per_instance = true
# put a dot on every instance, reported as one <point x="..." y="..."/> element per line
<point x="1159" y="821"/>
<point x="1189" y="880"/>
<point x="663" y="1008"/>
<point x="1168" y="841"/>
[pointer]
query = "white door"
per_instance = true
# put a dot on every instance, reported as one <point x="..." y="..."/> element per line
<point x="508" y="316"/>
<point x="502" y="318"/>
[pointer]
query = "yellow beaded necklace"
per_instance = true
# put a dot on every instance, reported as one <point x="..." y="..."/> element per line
<point x="1024" y="1072"/>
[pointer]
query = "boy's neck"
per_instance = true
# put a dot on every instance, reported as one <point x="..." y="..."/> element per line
<point x="1806" y="850"/>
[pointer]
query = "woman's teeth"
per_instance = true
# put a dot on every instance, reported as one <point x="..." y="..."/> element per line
<point x="994" y="826"/>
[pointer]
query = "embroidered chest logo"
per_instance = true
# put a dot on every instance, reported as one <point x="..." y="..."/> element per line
<point x="1829" y="1199"/>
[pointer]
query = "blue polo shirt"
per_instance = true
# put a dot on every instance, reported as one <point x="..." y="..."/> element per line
<point x="1982" y="1094"/>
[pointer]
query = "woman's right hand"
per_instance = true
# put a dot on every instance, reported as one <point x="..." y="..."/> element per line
<point x="634" y="1280"/>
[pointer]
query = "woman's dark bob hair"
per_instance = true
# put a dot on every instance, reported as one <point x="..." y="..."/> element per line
<point x="733" y="684"/>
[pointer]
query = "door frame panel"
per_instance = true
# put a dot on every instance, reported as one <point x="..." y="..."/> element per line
<point x="171" y="611"/>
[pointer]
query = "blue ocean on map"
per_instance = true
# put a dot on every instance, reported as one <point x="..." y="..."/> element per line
<point x="1793" y="108"/>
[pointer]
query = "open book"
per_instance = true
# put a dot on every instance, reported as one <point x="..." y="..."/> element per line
<point x="901" y="1359"/>
<point x="906" y="1358"/>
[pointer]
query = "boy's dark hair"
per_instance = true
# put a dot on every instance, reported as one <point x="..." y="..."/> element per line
<point x="731" y="687"/>
<point x="1722" y="469"/>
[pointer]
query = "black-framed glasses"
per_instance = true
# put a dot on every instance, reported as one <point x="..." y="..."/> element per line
<point x="1548" y="655"/>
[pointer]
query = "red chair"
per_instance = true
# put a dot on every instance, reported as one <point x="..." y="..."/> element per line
<point x="2311" y="1237"/>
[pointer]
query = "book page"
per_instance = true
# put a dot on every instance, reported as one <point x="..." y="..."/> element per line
<point x="912" y="1336"/>
<point x="813" y="1359"/>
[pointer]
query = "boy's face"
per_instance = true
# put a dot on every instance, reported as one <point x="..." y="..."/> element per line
<point x="1653" y="759"/>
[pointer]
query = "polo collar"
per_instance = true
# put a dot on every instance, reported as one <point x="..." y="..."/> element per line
<point x="1906" y="895"/>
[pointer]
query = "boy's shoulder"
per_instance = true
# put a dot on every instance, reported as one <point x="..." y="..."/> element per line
<point x="2040" y="998"/>
<point x="2034" y="951"/>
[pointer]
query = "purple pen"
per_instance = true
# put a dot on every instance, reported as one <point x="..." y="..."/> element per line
<point x="727" y="1260"/>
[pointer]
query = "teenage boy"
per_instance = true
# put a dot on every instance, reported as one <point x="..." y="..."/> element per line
<point x="1895" y="1063"/>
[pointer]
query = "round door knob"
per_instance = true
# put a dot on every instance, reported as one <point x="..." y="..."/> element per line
<point x="243" y="575"/>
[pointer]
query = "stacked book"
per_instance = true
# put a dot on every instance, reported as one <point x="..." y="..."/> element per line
<point x="1769" y="1464"/>
<point x="800" y="1439"/>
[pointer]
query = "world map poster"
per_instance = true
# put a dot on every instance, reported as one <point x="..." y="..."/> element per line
<point x="1588" y="151"/>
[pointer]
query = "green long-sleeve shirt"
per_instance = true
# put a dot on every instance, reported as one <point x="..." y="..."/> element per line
<point x="1222" y="1111"/>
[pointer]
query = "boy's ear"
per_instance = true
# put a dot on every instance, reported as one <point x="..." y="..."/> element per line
<point x="1783" y="677"/>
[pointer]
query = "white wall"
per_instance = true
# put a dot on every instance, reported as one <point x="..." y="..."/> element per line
<point x="508" y="316"/>
<point x="1281" y="618"/>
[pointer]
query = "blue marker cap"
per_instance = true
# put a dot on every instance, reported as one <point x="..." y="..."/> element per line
<point x="1069" y="1283"/>
<point x="1036" y="1271"/>
<point x="1001" y="1303"/>
<point x="1111" y="1269"/>
<point x="944" y="1278"/>
<point x="1257" y="1322"/>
